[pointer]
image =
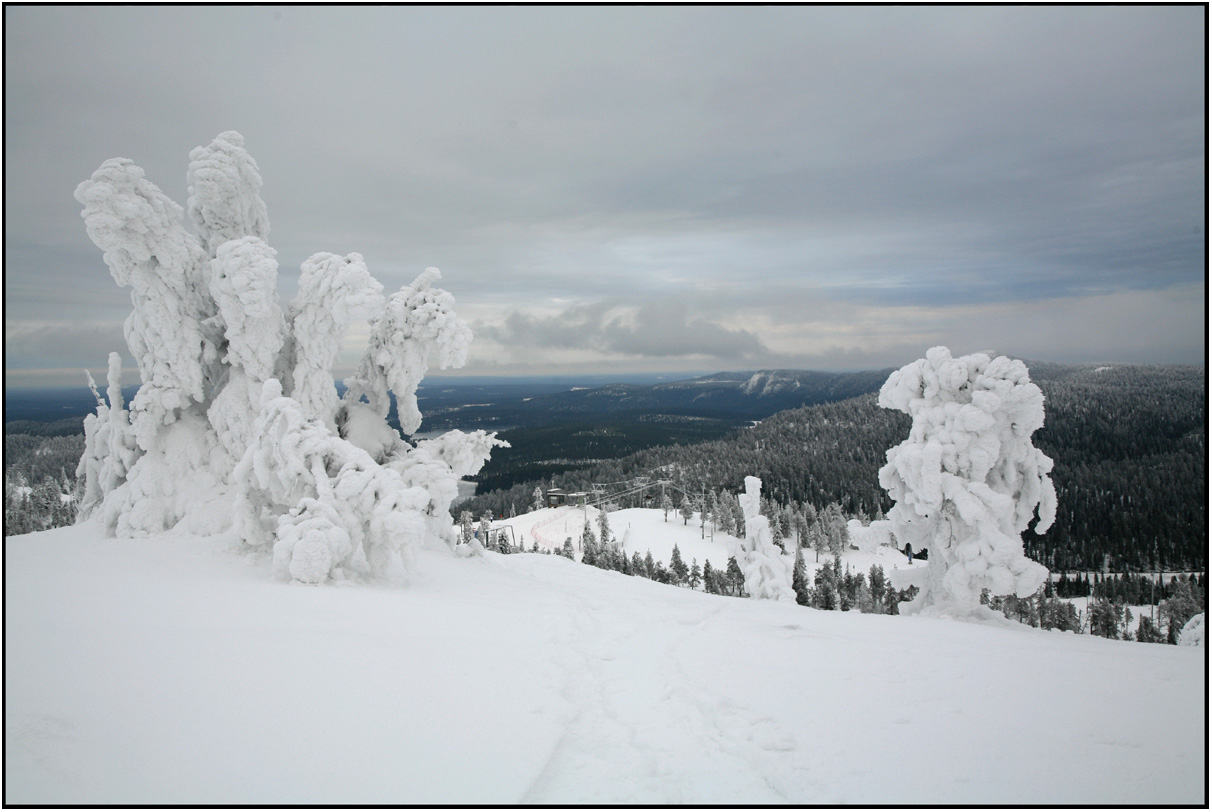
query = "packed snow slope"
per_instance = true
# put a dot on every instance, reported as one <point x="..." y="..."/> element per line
<point x="170" y="670"/>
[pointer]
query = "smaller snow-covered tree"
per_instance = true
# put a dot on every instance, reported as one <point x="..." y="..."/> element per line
<point x="677" y="567"/>
<point x="603" y="526"/>
<point x="538" y="500"/>
<point x="686" y="509"/>
<point x="818" y="536"/>
<point x="486" y="532"/>
<point x="666" y="505"/>
<point x="589" y="546"/>
<point x="878" y="586"/>
<point x="799" y="579"/>
<point x="767" y="571"/>
<point x="637" y="565"/>
<point x="567" y="550"/>
<point x="696" y="575"/>
<point x="825" y="593"/>
<point x="735" y="578"/>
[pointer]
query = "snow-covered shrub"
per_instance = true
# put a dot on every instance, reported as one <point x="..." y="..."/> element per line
<point x="238" y="419"/>
<point x="768" y="573"/>
<point x="967" y="481"/>
<point x="1192" y="633"/>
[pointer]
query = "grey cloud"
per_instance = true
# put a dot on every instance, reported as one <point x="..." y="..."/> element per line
<point x="885" y="155"/>
<point x="656" y="330"/>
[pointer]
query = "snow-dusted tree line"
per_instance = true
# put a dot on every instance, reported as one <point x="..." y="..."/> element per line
<point x="237" y="422"/>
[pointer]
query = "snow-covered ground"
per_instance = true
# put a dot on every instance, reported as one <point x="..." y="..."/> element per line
<point x="171" y="671"/>
<point x="645" y="529"/>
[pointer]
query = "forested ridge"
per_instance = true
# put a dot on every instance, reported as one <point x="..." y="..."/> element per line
<point x="1129" y="443"/>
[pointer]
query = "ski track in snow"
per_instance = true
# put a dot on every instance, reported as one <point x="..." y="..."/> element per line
<point x="636" y="704"/>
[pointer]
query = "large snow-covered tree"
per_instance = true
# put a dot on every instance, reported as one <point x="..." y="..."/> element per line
<point x="967" y="481"/>
<point x="237" y="423"/>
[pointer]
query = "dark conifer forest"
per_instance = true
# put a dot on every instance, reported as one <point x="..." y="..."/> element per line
<point x="1129" y="443"/>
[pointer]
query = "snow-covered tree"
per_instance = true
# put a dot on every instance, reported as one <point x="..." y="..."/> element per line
<point x="603" y="526"/>
<point x="237" y="422"/>
<point x="677" y="567"/>
<point x="589" y="546"/>
<point x="686" y="509"/>
<point x="800" y="583"/>
<point x="767" y="571"/>
<point x="537" y="501"/>
<point x="967" y="481"/>
<point x="666" y="505"/>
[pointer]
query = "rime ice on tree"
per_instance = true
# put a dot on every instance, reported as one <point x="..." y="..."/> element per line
<point x="237" y="414"/>
<point x="968" y="480"/>
<point x="767" y="572"/>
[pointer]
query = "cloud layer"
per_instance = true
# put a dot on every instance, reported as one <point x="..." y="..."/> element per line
<point x="704" y="186"/>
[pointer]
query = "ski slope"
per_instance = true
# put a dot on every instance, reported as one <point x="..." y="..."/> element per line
<point x="171" y="670"/>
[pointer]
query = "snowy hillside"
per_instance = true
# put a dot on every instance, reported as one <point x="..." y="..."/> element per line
<point x="170" y="670"/>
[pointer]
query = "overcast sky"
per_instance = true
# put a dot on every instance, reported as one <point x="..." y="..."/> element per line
<point x="623" y="189"/>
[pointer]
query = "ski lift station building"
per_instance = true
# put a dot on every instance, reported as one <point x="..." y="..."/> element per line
<point x="558" y="496"/>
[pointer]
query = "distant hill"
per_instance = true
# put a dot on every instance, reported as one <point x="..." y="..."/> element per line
<point x="735" y="396"/>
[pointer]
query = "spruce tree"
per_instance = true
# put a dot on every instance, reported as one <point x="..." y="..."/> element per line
<point x="666" y="505"/>
<point x="696" y="576"/>
<point x="686" y="509"/>
<point x="677" y="567"/>
<point x="589" y="546"/>
<point x="799" y="579"/>
<point x="736" y="578"/>
<point x="603" y="526"/>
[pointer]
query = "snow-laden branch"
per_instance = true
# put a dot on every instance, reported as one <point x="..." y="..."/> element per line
<point x="145" y="244"/>
<point x="225" y="192"/>
<point x="417" y="319"/>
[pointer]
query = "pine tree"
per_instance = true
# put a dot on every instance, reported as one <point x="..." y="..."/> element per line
<point x="799" y="579"/>
<point x="666" y="505"/>
<point x="879" y="588"/>
<point x="736" y="578"/>
<point x="819" y="538"/>
<point x="486" y="531"/>
<point x="1148" y="632"/>
<point x="567" y="550"/>
<point x="709" y="584"/>
<point x="649" y="565"/>
<point x="637" y="566"/>
<point x="696" y="576"/>
<point x="589" y="546"/>
<point x="825" y="591"/>
<point x="538" y="501"/>
<point x="603" y="526"/>
<point x="465" y="527"/>
<point x="686" y="509"/>
<point x="677" y="567"/>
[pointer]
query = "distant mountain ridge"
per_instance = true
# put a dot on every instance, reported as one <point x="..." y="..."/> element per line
<point x="724" y="395"/>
